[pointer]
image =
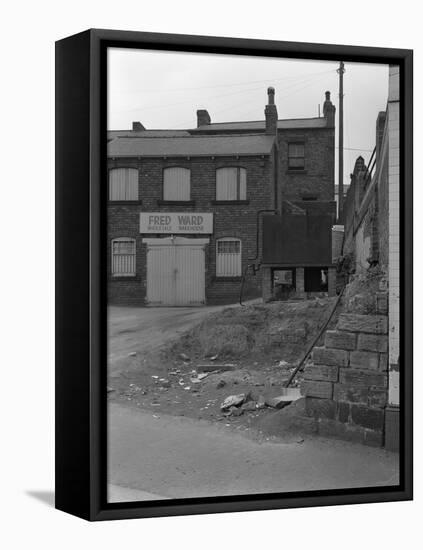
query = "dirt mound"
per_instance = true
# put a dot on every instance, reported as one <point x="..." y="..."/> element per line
<point x="280" y="330"/>
<point x="224" y="340"/>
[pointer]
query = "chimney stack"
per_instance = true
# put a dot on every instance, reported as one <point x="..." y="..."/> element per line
<point x="271" y="113"/>
<point x="203" y="118"/>
<point x="137" y="126"/>
<point x="329" y="111"/>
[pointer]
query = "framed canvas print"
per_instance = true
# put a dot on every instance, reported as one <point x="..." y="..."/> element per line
<point x="234" y="274"/>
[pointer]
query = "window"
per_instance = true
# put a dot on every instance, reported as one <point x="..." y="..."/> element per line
<point x="231" y="184"/>
<point x="123" y="257"/>
<point x="123" y="184"/>
<point x="176" y="184"/>
<point x="296" y="156"/>
<point x="228" y="257"/>
<point x="283" y="277"/>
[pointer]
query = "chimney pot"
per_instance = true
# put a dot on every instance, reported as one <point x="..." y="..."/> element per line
<point x="271" y="95"/>
<point x="137" y="126"/>
<point x="203" y="118"/>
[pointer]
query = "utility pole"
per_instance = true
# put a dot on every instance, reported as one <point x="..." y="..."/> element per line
<point x="341" y="72"/>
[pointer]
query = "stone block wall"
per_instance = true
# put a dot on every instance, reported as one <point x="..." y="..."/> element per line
<point x="345" y="387"/>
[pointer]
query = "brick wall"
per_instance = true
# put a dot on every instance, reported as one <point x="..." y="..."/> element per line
<point x="234" y="219"/>
<point x="317" y="179"/>
<point x="345" y="387"/>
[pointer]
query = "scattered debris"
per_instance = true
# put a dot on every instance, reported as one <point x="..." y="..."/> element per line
<point x="249" y="406"/>
<point x="154" y="376"/>
<point x="110" y="389"/>
<point x="277" y="402"/>
<point x="220" y="384"/>
<point x="132" y="354"/>
<point x="233" y="401"/>
<point x="261" y="403"/>
<point x="283" y="364"/>
<point x="199" y="377"/>
<point x="184" y="357"/>
<point x="187" y="388"/>
<point x="235" y="411"/>
<point x="214" y="367"/>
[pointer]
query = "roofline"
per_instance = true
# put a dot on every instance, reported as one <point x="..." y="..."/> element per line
<point x="206" y="155"/>
<point x="202" y="136"/>
<point x="214" y="124"/>
<point x="263" y="121"/>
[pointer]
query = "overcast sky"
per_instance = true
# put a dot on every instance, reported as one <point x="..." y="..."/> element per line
<point x="164" y="90"/>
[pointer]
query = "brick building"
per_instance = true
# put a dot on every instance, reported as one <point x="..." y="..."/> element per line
<point x="185" y="207"/>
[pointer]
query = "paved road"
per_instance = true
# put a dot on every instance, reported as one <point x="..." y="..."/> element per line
<point x="143" y="329"/>
<point x="157" y="456"/>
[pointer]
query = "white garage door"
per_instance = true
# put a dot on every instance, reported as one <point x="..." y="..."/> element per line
<point x="175" y="271"/>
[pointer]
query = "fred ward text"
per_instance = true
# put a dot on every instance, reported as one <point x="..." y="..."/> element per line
<point x="176" y="222"/>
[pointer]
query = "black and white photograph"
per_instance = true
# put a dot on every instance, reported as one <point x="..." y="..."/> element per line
<point x="253" y="275"/>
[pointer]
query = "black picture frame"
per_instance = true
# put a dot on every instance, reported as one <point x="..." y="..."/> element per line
<point x="81" y="444"/>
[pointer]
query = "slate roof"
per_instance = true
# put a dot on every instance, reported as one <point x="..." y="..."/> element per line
<point x="288" y="124"/>
<point x="147" y="133"/>
<point x="191" y="146"/>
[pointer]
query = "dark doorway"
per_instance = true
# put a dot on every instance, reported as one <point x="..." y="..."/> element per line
<point x="316" y="279"/>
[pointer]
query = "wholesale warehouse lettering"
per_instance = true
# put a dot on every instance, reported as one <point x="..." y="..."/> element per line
<point x="192" y="213"/>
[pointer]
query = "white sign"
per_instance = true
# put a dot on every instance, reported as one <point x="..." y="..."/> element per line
<point x="176" y="222"/>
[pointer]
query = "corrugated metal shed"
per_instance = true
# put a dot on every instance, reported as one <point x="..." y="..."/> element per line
<point x="191" y="146"/>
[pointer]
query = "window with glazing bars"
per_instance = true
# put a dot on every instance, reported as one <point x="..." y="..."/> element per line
<point x="123" y="184"/>
<point x="228" y="257"/>
<point x="296" y="156"/>
<point x="123" y="257"/>
<point x="231" y="184"/>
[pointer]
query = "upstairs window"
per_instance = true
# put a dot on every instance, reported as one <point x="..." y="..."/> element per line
<point x="123" y="184"/>
<point x="296" y="156"/>
<point x="231" y="184"/>
<point x="176" y="184"/>
<point x="123" y="257"/>
<point x="228" y="257"/>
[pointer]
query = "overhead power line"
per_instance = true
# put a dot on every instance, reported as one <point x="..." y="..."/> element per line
<point x="211" y="98"/>
<point x="155" y="90"/>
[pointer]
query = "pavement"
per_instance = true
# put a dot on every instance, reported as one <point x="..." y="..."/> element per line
<point x="153" y="456"/>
